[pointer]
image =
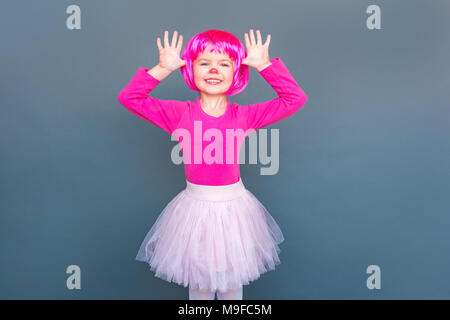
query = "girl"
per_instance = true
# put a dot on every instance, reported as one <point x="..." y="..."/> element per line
<point x="214" y="235"/>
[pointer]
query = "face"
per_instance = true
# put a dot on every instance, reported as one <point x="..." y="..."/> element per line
<point x="202" y="66"/>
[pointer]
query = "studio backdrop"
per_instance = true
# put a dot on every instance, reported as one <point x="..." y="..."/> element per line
<point x="357" y="179"/>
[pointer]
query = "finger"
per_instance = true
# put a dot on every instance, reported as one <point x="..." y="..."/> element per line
<point x="166" y="39"/>
<point x="180" y="43"/>
<point x="267" y="41"/>
<point x="174" y="39"/>
<point x="158" y="43"/>
<point x="258" y="36"/>
<point x="247" y="41"/>
<point x="252" y="37"/>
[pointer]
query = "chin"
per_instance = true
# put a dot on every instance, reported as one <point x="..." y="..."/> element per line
<point x="209" y="91"/>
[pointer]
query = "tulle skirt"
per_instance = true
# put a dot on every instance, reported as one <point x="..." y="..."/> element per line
<point x="212" y="237"/>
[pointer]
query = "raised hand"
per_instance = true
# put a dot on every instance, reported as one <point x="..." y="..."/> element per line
<point x="257" y="52"/>
<point x="169" y="55"/>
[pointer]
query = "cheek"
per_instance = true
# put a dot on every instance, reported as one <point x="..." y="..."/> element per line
<point x="197" y="75"/>
<point x="230" y="75"/>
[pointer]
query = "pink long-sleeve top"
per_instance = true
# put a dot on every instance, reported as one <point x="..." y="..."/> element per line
<point x="210" y="145"/>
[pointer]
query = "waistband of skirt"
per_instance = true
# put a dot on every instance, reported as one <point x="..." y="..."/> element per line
<point x="215" y="193"/>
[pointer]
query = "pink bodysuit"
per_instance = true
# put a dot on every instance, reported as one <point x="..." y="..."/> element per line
<point x="210" y="151"/>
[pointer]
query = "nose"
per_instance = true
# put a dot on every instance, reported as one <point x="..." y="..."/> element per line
<point x="213" y="70"/>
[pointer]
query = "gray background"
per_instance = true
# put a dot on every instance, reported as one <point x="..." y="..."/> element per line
<point x="364" y="165"/>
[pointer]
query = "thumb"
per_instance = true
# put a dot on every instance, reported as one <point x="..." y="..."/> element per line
<point x="245" y="61"/>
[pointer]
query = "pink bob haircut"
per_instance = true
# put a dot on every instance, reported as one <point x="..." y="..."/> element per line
<point x="222" y="42"/>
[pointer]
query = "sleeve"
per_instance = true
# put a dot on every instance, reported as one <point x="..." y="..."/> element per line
<point x="290" y="97"/>
<point x="164" y="114"/>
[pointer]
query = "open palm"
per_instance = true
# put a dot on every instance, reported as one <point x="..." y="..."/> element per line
<point x="169" y="55"/>
<point x="257" y="52"/>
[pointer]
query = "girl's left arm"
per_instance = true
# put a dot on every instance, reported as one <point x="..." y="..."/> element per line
<point x="290" y="97"/>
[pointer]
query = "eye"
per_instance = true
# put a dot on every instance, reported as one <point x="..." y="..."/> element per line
<point x="223" y="64"/>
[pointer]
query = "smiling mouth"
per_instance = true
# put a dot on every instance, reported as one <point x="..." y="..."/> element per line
<point x="213" y="82"/>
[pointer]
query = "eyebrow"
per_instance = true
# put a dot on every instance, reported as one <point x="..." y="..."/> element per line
<point x="219" y="60"/>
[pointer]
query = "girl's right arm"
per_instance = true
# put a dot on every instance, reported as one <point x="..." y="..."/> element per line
<point x="165" y="114"/>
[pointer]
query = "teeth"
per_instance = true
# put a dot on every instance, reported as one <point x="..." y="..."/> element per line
<point x="213" y="81"/>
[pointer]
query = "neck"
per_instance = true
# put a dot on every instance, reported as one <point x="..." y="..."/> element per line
<point x="213" y="101"/>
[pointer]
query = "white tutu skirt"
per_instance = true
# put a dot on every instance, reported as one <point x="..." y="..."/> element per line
<point x="212" y="237"/>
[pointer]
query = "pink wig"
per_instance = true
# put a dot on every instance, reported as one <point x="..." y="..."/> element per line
<point x="223" y="42"/>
